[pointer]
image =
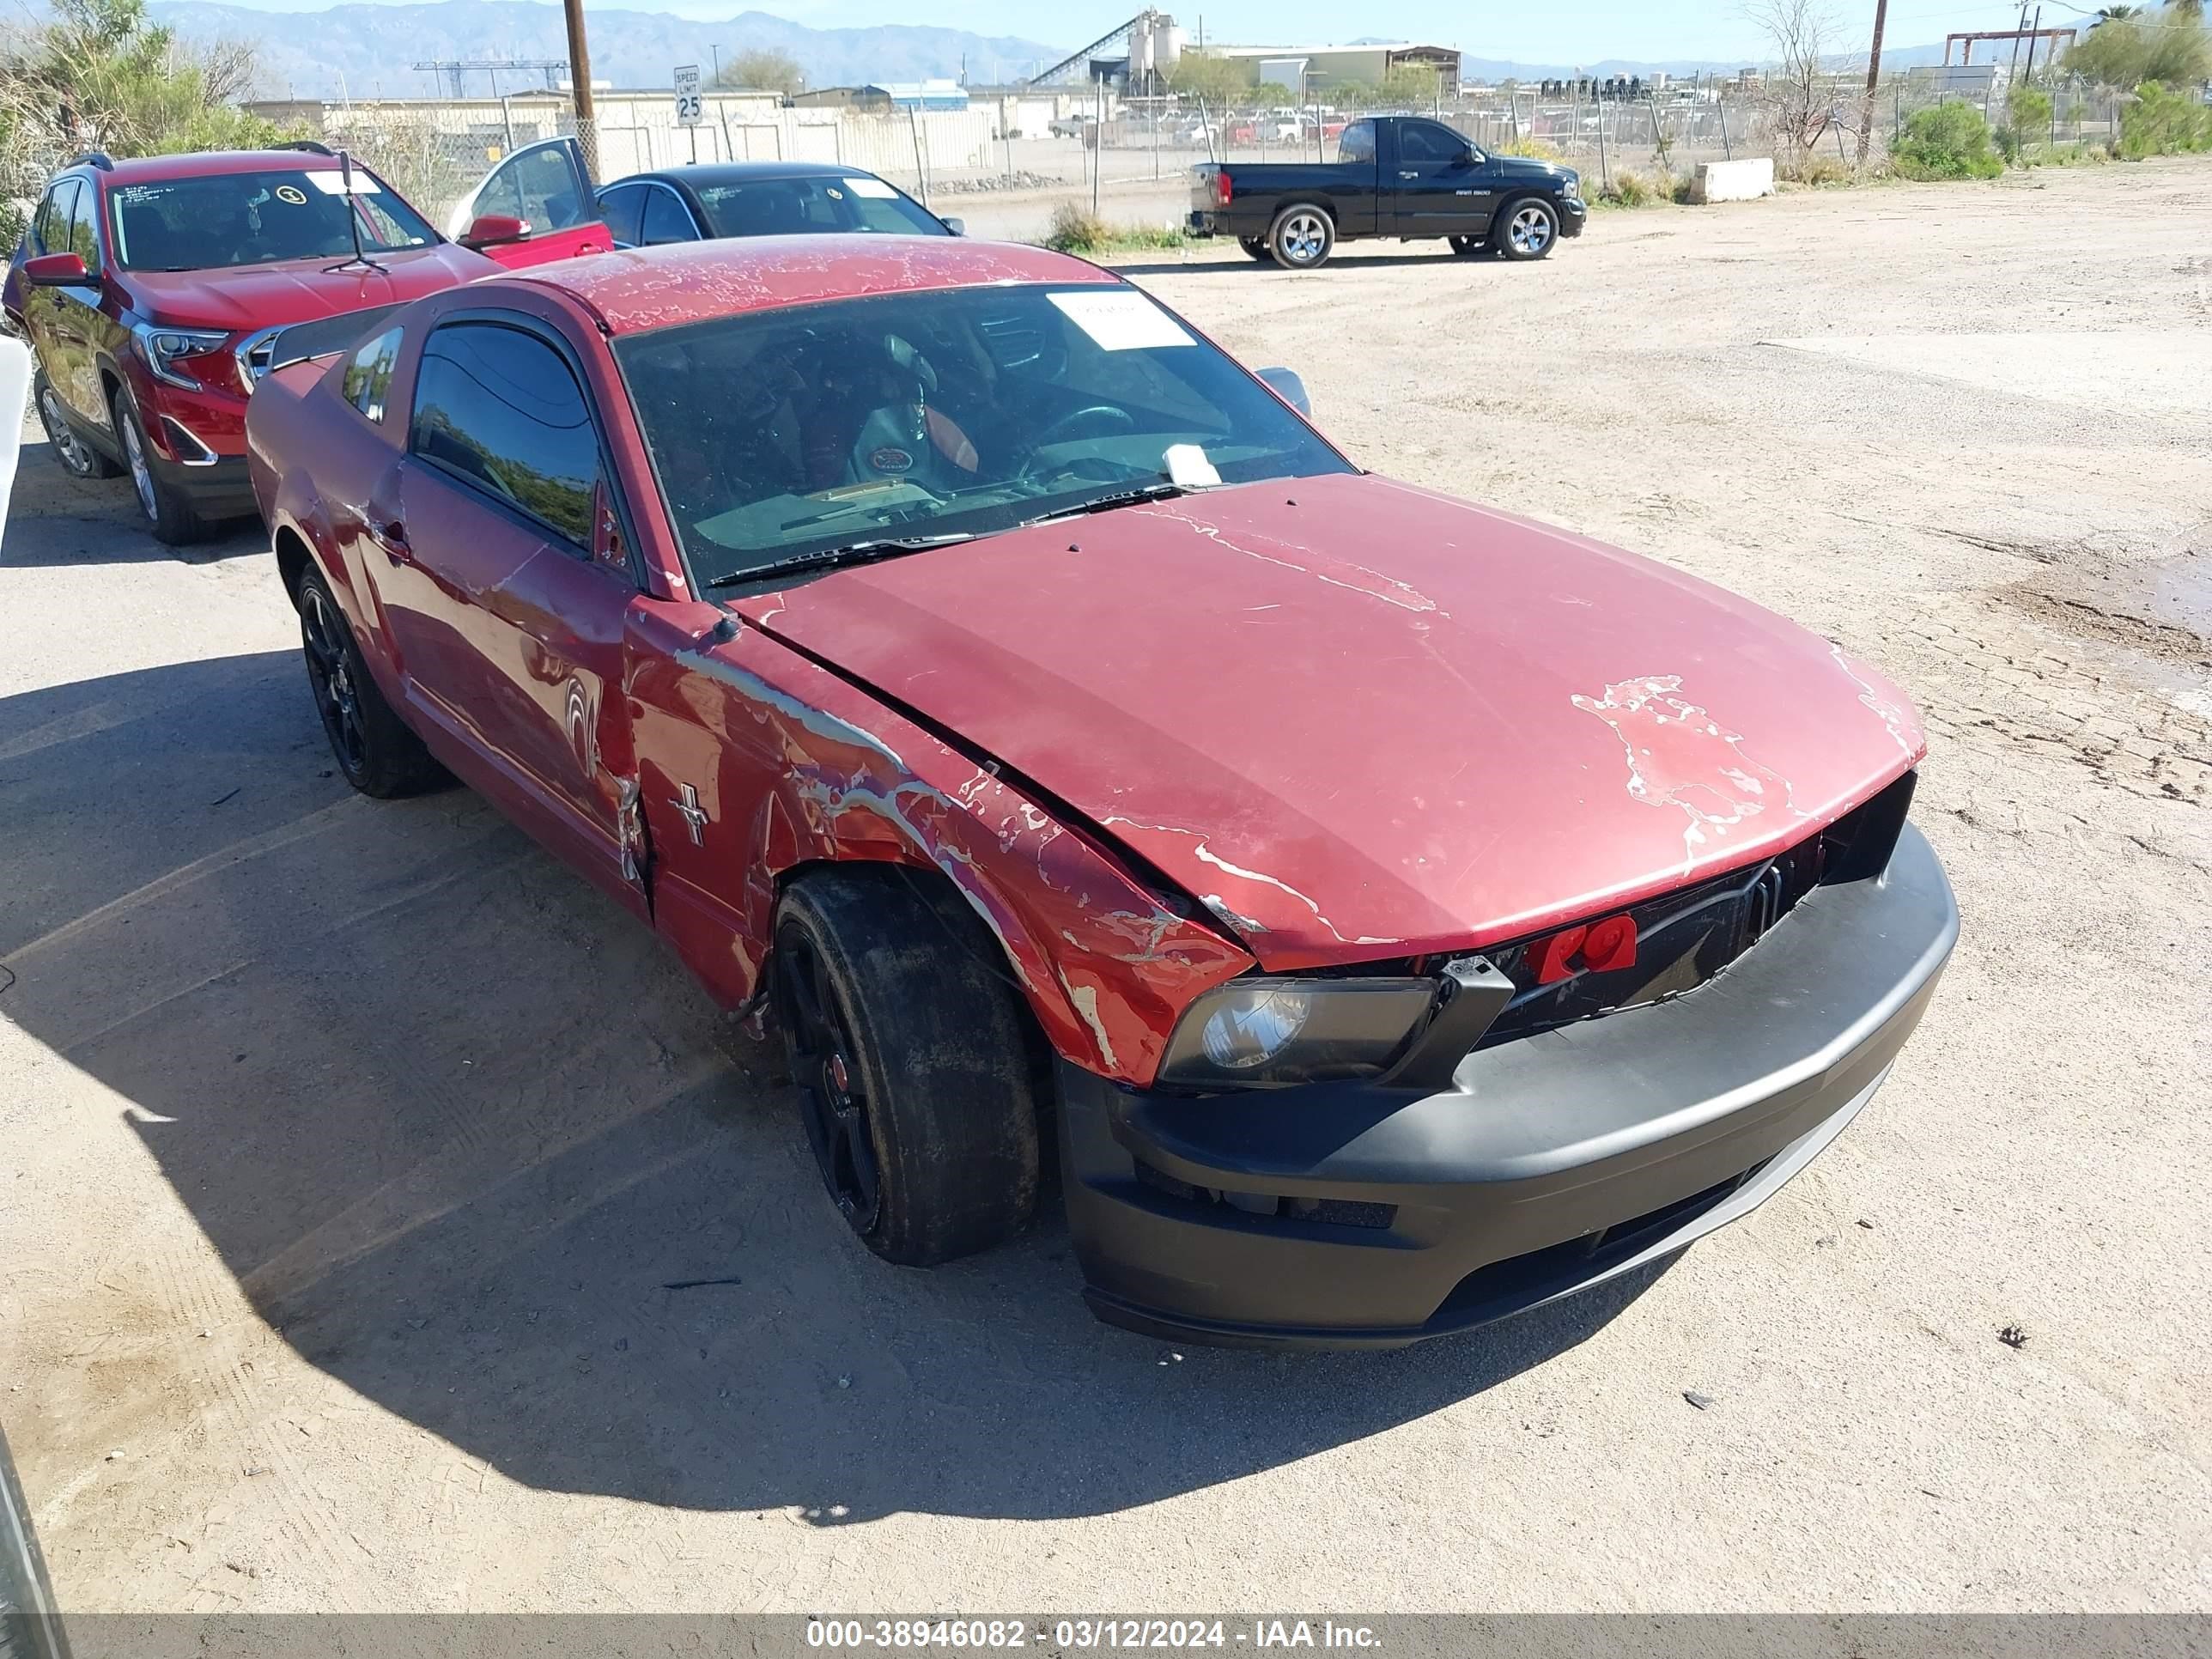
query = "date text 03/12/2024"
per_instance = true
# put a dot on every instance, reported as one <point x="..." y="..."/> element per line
<point x="1067" y="1635"/>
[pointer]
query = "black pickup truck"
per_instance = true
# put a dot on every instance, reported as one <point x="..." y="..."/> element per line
<point x="1394" y="175"/>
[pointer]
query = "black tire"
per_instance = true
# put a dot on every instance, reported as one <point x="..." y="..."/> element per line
<point x="374" y="748"/>
<point x="908" y="1047"/>
<point x="169" y="514"/>
<point x="1255" y="246"/>
<point x="75" y="457"/>
<point x="1468" y="246"/>
<point x="1527" y="228"/>
<point x="1302" y="236"/>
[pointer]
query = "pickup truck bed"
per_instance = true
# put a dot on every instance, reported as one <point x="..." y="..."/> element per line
<point x="1395" y="175"/>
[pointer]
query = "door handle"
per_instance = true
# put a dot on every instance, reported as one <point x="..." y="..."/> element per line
<point x="1409" y="175"/>
<point x="392" y="537"/>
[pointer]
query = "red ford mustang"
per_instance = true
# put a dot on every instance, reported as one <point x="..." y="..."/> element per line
<point x="1401" y="913"/>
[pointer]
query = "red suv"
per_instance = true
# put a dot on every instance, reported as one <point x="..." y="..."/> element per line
<point x="153" y="292"/>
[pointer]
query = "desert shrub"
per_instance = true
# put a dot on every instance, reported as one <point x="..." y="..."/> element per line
<point x="12" y="221"/>
<point x="1535" y="148"/>
<point x="2028" y="112"/>
<point x="1077" y="229"/>
<point x="1627" y="189"/>
<point x="1950" y="141"/>
<point x="2163" y="122"/>
<point x="1815" y="170"/>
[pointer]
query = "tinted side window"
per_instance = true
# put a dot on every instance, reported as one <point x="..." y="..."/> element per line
<point x="666" y="219"/>
<point x="84" y="226"/>
<point x="50" y="230"/>
<point x="499" y="407"/>
<point x="620" y="207"/>
<point x="1424" y="141"/>
<point x="1358" y="144"/>
<point x="368" y="375"/>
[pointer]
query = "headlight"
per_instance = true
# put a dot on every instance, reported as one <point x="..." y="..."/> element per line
<point x="167" y="352"/>
<point x="1254" y="1033"/>
<point x="1571" y="185"/>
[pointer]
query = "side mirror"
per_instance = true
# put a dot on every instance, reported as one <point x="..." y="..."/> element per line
<point x="495" y="230"/>
<point x="1285" y="384"/>
<point x="57" y="270"/>
<point x="957" y="227"/>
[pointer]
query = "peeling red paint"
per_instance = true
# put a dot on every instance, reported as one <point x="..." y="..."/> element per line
<point x="640" y="288"/>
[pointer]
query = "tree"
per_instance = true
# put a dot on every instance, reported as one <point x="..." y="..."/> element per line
<point x="2173" y="47"/>
<point x="763" y="69"/>
<point x="1218" y="80"/>
<point x="100" y="74"/>
<point x="1798" y="93"/>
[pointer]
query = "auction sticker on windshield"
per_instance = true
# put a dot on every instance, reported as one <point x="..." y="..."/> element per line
<point x="874" y="188"/>
<point x="1119" y="320"/>
<point x="334" y="184"/>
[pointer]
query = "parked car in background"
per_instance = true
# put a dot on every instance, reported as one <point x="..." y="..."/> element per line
<point x="149" y="290"/>
<point x="547" y="185"/>
<point x="1402" y="913"/>
<point x="1394" y="175"/>
<point x="1072" y="126"/>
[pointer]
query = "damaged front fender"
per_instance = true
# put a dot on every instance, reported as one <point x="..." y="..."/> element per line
<point x="794" y="765"/>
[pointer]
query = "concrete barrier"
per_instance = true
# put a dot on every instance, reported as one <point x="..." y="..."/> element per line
<point x="1732" y="181"/>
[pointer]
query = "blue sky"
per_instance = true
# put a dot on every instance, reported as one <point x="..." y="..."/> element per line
<point x="1580" y="31"/>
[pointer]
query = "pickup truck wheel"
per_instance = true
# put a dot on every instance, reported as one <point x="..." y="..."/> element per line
<point x="170" y="513"/>
<point x="1256" y="247"/>
<point x="78" y="458"/>
<point x="378" y="754"/>
<point x="1302" y="236"/>
<point x="1526" y="229"/>
<point x="907" y="1044"/>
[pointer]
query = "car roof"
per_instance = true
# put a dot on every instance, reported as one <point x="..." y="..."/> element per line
<point x="635" y="289"/>
<point x="706" y="174"/>
<point x="208" y="164"/>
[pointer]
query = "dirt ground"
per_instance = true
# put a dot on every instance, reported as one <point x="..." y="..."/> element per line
<point x="348" y="1150"/>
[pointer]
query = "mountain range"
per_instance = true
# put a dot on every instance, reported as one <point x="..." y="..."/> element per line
<point x="370" y="51"/>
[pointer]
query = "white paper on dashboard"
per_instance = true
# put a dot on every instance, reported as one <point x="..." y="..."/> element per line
<point x="1119" y="319"/>
<point x="333" y="183"/>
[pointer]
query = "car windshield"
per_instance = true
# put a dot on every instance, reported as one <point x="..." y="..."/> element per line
<point x="783" y="207"/>
<point x="256" y="219"/>
<point x="783" y="436"/>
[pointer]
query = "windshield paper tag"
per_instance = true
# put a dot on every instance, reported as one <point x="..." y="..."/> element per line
<point x="1188" y="467"/>
<point x="1119" y="319"/>
<point x="333" y="183"/>
<point x="875" y="188"/>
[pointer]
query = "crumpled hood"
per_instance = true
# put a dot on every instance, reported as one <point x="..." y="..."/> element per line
<point x="244" y="297"/>
<point x="1360" y="720"/>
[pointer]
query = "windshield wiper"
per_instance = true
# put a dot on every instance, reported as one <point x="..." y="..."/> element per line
<point x="867" y="552"/>
<point x="1151" y="492"/>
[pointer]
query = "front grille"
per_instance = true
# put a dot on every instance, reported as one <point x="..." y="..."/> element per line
<point x="1330" y="1212"/>
<point x="1685" y="937"/>
<point x="1521" y="1279"/>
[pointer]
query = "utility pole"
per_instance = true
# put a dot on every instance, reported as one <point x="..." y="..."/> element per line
<point x="2032" y="40"/>
<point x="1873" y="75"/>
<point x="579" y="79"/>
<point x="717" y="52"/>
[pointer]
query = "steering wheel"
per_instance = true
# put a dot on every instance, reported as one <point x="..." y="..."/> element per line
<point x="1108" y="415"/>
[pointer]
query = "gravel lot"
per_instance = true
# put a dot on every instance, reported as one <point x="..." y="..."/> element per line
<point x="346" y="1149"/>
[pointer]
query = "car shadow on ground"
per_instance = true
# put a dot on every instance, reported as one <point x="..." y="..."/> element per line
<point x="1338" y="261"/>
<point x="54" y="519"/>
<point x="470" y="1140"/>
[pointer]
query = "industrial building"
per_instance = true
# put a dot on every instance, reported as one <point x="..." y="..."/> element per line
<point x="1318" y="68"/>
